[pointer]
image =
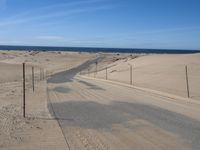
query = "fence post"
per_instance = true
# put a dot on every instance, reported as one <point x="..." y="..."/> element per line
<point x="33" y="79"/>
<point x="187" y="81"/>
<point x="96" y="67"/>
<point x="106" y="73"/>
<point x="40" y="75"/>
<point x="43" y="73"/>
<point x="24" y="96"/>
<point x="131" y="74"/>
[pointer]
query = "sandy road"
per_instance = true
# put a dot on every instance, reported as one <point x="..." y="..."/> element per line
<point x="95" y="115"/>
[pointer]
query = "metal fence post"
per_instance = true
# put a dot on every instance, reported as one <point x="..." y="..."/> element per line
<point x="43" y="74"/>
<point x="106" y="73"/>
<point x="33" y="79"/>
<point x="40" y="75"/>
<point x="131" y="74"/>
<point x="187" y="81"/>
<point x="24" y="96"/>
<point x="96" y="66"/>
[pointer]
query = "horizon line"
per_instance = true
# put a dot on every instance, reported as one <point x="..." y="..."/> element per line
<point x="101" y="47"/>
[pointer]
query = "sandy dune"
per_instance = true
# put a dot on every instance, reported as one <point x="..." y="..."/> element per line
<point x="76" y="113"/>
<point x="98" y="115"/>
<point x="15" y="131"/>
<point x="159" y="72"/>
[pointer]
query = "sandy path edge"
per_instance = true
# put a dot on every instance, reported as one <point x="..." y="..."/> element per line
<point x="163" y="94"/>
<point x="55" y="117"/>
<point x="42" y="130"/>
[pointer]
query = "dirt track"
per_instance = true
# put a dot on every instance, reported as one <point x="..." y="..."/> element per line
<point x="97" y="115"/>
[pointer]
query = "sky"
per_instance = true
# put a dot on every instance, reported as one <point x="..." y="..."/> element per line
<point x="159" y="24"/>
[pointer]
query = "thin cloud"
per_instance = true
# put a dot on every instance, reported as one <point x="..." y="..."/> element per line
<point x="11" y="42"/>
<point x="58" y="14"/>
<point x="51" y="37"/>
<point x="149" y="33"/>
<point x="52" y="15"/>
<point x="168" y="30"/>
<point x="92" y="40"/>
<point x="64" y="40"/>
<point x="55" y="11"/>
<point x="61" y="5"/>
<point x="54" y="7"/>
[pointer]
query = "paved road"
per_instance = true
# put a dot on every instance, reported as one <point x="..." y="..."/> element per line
<point x="95" y="116"/>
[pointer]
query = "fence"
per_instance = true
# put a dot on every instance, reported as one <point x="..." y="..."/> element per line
<point x="31" y="75"/>
<point x="182" y="80"/>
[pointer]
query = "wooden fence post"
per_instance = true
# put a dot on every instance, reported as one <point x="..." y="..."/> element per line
<point x="33" y="79"/>
<point x="131" y="74"/>
<point x="106" y="73"/>
<point x="24" y="94"/>
<point x="187" y="81"/>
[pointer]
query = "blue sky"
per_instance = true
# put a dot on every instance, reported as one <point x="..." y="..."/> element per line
<point x="173" y="24"/>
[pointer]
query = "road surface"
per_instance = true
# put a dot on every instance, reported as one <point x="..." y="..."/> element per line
<point x="94" y="115"/>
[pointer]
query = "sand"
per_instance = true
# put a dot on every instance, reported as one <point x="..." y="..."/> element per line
<point x="165" y="73"/>
<point x="100" y="115"/>
<point x="40" y="130"/>
<point x="15" y="131"/>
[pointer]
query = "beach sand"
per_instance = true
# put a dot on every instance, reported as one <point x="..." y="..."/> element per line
<point x="165" y="73"/>
<point x="15" y="131"/>
<point x="159" y="72"/>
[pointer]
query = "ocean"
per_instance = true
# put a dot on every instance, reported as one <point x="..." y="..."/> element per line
<point x="96" y="50"/>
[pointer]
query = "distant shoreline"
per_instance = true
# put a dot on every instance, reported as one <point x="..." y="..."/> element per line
<point x="99" y="50"/>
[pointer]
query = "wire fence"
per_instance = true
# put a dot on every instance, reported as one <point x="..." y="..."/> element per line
<point x="182" y="80"/>
<point x="21" y="85"/>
